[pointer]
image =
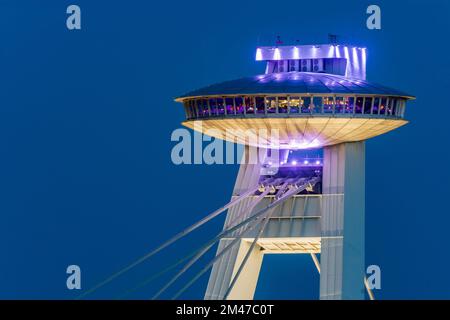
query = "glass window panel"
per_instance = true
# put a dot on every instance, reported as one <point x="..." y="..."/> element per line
<point x="339" y="108"/>
<point x="368" y="105"/>
<point x="295" y="104"/>
<point x="239" y="105"/>
<point x="203" y="107"/>
<point x="305" y="103"/>
<point x="282" y="105"/>
<point x="271" y="104"/>
<point x="328" y="103"/>
<point x="383" y="105"/>
<point x="220" y="106"/>
<point x="213" y="107"/>
<point x="249" y="105"/>
<point x="198" y="111"/>
<point x="359" y="105"/>
<point x="398" y="107"/>
<point x="317" y="102"/>
<point x="394" y="106"/>
<point x="186" y="108"/>
<point x="349" y="104"/>
<point x="376" y="105"/>
<point x="259" y="105"/>
<point x="316" y="105"/>
<point x="229" y="106"/>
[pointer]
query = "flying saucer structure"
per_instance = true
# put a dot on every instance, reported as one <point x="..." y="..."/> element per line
<point x="307" y="108"/>
<point x="312" y="97"/>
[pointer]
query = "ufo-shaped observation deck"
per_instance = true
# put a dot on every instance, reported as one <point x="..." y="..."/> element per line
<point x="305" y="109"/>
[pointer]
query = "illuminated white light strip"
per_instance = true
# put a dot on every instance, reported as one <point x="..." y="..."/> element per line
<point x="259" y="54"/>
<point x="276" y="54"/>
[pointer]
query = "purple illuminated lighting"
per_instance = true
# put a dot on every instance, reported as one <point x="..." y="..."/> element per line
<point x="304" y="145"/>
<point x="347" y="56"/>
<point x="332" y="52"/>
<point x="306" y="162"/>
<point x="338" y="51"/>
<point x="259" y="54"/>
<point x="314" y="51"/>
<point x="317" y="162"/>
<point x="294" y="163"/>
<point x="346" y="53"/>
<point x="276" y="54"/>
<point x="364" y="57"/>
<point x="355" y="59"/>
<point x="296" y="54"/>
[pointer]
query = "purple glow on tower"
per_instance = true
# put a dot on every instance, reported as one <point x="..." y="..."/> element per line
<point x="355" y="59"/>
<point x="347" y="56"/>
<point x="296" y="53"/>
<point x="259" y="54"/>
<point x="364" y="57"/>
<point x="346" y="53"/>
<point x="276" y="54"/>
<point x="332" y="52"/>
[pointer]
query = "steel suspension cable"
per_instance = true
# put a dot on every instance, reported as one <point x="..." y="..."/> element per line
<point x="250" y="250"/>
<point x="206" y="247"/>
<point x="192" y="254"/>
<point x="169" y="242"/>
<point x="283" y="198"/>
<point x="247" y="255"/>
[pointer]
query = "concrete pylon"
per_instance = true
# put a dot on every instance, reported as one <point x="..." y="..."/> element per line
<point x="331" y="223"/>
<point x="342" y="256"/>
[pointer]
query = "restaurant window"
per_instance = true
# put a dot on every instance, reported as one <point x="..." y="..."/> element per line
<point x="317" y="102"/>
<point x="198" y="112"/>
<point x="295" y="104"/>
<point x="328" y="103"/>
<point x="394" y="106"/>
<point x="349" y="104"/>
<point x="259" y="102"/>
<point x="339" y="108"/>
<point x="249" y="105"/>
<point x="282" y="105"/>
<point x="191" y="109"/>
<point x="359" y="105"/>
<point x="213" y="107"/>
<point x="220" y="106"/>
<point x="368" y="105"/>
<point x="383" y="105"/>
<point x="305" y="104"/>
<point x="398" y="108"/>
<point x="271" y="103"/>
<point x="239" y="103"/>
<point x="204" y="107"/>
<point x="229" y="105"/>
<point x="376" y="105"/>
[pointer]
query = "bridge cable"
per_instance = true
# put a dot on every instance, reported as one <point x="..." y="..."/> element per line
<point x="282" y="199"/>
<point x="169" y="242"/>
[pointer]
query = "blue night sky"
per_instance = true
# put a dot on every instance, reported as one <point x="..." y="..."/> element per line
<point x="86" y="117"/>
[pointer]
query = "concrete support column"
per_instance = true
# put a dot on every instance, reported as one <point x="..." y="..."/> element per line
<point x="342" y="257"/>
<point x="224" y="269"/>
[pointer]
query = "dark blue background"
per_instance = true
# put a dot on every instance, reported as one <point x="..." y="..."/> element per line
<point x="85" y="123"/>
